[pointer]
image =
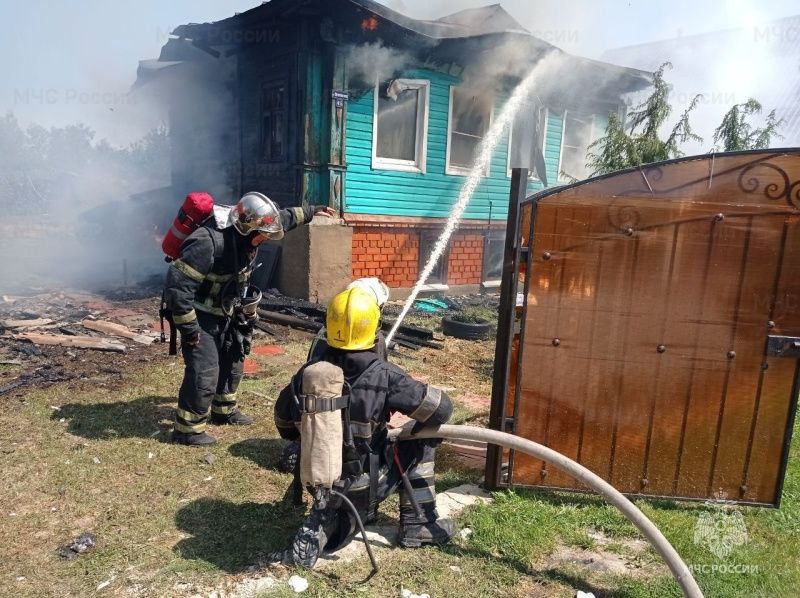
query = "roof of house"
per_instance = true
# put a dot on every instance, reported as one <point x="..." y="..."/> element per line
<point x="485" y="19"/>
<point x="483" y="29"/>
<point x="464" y="23"/>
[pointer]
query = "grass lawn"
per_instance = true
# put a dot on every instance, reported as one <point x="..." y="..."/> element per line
<point x="171" y="520"/>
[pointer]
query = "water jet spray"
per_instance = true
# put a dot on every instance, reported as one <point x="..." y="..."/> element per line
<point x="486" y="149"/>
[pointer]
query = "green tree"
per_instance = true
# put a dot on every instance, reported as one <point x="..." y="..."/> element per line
<point x="735" y="133"/>
<point x="152" y="153"/>
<point x="65" y="165"/>
<point x="638" y="141"/>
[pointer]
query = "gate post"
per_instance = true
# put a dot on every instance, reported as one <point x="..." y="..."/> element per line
<point x="505" y="323"/>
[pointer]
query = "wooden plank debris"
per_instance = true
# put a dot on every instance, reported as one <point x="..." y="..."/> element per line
<point x="80" y="342"/>
<point x="33" y="323"/>
<point x="115" y="329"/>
<point x="294" y="322"/>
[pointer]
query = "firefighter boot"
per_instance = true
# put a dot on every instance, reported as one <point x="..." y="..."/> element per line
<point x="235" y="417"/>
<point x="201" y="439"/>
<point x="289" y="458"/>
<point x="414" y="535"/>
<point x="312" y="537"/>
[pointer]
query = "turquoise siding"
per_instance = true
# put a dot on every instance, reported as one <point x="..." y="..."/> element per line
<point x="432" y="194"/>
<point x="552" y="146"/>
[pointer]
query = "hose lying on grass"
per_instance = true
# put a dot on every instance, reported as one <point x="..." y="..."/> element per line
<point x="580" y="473"/>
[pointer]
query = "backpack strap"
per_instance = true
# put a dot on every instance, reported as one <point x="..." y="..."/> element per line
<point x="166" y="314"/>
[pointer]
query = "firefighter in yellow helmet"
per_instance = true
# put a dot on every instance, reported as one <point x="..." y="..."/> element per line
<point x="380" y="292"/>
<point x="372" y="467"/>
<point x="378" y="289"/>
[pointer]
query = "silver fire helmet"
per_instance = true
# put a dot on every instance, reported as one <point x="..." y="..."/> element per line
<point x="256" y="212"/>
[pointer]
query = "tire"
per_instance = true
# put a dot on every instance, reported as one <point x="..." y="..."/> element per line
<point x="465" y="330"/>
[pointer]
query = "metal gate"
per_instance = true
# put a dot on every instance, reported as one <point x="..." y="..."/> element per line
<point x="657" y="335"/>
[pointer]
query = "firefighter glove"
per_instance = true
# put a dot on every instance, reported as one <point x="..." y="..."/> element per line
<point x="325" y="211"/>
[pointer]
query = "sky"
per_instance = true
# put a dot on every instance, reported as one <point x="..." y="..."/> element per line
<point x="68" y="61"/>
<point x="75" y="61"/>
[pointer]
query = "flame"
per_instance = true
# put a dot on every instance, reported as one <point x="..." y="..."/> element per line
<point x="370" y="24"/>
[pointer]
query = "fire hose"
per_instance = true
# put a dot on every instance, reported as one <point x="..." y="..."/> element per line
<point x="679" y="569"/>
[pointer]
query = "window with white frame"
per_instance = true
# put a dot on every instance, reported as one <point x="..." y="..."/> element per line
<point x="400" y="125"/>
<point x="469" y="119"/>
<point x="580" y="131"/>
<point x="528" y="130"/>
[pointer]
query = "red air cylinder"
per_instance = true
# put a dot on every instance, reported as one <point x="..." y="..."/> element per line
<point x="195" y="209"/>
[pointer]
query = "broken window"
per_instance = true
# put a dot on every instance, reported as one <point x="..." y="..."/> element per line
<point x="273" y="122"/>
<point x="470" y="118"/>
<point x="580" y="131"/>
<point x="527" y="132"/>
<point x="400" y="125"/>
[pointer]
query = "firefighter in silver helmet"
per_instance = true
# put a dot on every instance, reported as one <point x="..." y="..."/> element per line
<point x="372" y="468"/>
<point x="214" y="308"/>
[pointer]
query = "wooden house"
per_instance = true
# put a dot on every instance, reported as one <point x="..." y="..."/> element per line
<point x="350" y="104"/>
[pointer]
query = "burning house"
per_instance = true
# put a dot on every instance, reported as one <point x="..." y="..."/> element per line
<point x="351" y="104"/>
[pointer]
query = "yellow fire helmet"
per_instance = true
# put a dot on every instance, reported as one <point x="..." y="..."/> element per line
<point x="352" y="320"/>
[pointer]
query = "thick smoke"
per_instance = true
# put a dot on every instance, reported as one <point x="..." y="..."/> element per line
<point x="746" y="49"/>
<point x="79" y="211"/>
<point x="367" y="63"/>
<point x="756" y="60"/>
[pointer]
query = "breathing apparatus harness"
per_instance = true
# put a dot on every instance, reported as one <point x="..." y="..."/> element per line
<point x="239" y="304"/>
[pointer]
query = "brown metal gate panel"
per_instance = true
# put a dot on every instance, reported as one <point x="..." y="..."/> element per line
<point x="650" y="297"/>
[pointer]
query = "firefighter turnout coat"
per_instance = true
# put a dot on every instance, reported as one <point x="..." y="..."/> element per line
<point x="213" y="260"/>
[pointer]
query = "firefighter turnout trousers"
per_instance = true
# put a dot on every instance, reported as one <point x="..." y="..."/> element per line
<point x="416" y="457"/>
<point x="211" y="377"/>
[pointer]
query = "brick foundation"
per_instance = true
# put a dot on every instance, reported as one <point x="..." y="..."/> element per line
<point x="392" y="254"/>
<point x="466" y="259"/>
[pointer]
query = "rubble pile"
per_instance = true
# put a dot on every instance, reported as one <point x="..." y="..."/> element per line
<point x="38" y="327"/>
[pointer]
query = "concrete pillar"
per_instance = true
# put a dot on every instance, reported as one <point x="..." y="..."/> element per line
<point x="316" y="260"/>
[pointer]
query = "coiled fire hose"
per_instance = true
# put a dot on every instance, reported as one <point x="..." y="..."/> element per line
<point x="679" y="569"/>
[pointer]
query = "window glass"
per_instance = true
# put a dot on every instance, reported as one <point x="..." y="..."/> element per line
<point x="493" y="253"/>
<point x="470" y="114"/>
<point x="273" y="122"/>
<point x="397" y="125"/>
<point x="580" y="131"/>
<point x="427" y="242"/>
